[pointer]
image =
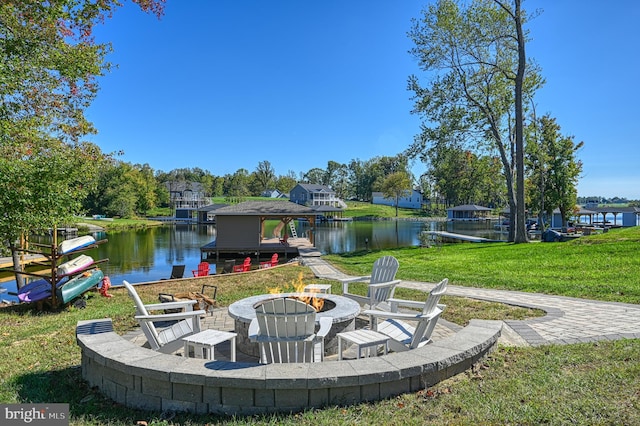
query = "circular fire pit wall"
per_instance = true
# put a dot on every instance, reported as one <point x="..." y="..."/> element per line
<point x="341" y="310"/>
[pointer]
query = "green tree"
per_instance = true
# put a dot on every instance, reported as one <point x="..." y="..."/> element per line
<point x="445" y="170"/>
<point x="360" y="187"/>
<point x="555" y="168"/>
<point x="341" y="182"/>
<point x="264" y="177"/>
<point x="315" y="176"/>
<point x="118" y="190"/>
<point x="237" y="184"/>
<point x="365" y="177"/>
<point x="463" y="177"/>
<point x="395" y="186"/>
<point x="50" y="65"/>
<point x="475" y="54"/>
<point x="217" y="186"/>
<point x="42" y="185"/>
<point x="146" y="188"/>
<point x="286" y="183"/>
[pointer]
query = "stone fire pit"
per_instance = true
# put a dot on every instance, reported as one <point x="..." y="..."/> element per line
<point x="341" y="310"/>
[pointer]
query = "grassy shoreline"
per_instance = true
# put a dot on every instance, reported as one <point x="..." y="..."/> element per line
<point x="593" y="383"/>
<point x="118" y="224"/>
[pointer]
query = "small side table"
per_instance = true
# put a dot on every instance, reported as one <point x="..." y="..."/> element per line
<point x="318" y="288"/>
<point x="203" y="343"/>
<point x="363" y="339"/>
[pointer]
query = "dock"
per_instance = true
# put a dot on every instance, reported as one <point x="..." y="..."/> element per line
<point x="451" y="237"/>
<point x="268" y="246"/>
<point x="25" y="259"/>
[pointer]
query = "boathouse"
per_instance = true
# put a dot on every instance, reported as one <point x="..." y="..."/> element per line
<point x="577" y="215"/>
<point x="629" y="215"/>
<point x="207" y="214"/>
<point x="468" y="212"/>
<point x="240" y="228"/>
<point x="598" y="216"/>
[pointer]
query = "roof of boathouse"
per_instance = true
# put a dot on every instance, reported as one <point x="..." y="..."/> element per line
<point x="261" y="208"/>
<point x="469" y="207"/>
<point x="326" y="208"/>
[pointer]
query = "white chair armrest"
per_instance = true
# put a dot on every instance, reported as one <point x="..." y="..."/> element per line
<point x="401" y="315"/>
<point x="384" y="284"/>
<point x="345" y="282"/>
<point x="188" y="304"/>
<point x="375" y="314"/>
<point x="170" y="317"/>
<point x="354" y="279"/>
<point x="267" y="339"/>
<point x="395" y="303"/>
<point x="325" y="327"/>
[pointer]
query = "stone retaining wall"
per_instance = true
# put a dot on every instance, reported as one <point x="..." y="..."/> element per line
<point x="141" y="378"/>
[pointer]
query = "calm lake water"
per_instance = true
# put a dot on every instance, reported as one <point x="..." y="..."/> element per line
<point x="148" y="254"/>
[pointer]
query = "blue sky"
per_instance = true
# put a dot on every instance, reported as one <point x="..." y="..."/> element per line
<point x="225" y="84"/>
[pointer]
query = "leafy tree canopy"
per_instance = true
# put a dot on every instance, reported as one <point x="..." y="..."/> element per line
<point x="48" y="70"/>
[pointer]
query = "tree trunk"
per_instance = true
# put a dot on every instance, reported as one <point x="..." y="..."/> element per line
<point x="17" y="266"/>
<point x="512" y="211"/>
<point x="520" y="225"/>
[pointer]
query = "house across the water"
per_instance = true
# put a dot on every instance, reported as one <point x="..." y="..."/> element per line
<point x="186" y="198"/>
<point x="308" y="194"/>
<point x="412" y="199"/>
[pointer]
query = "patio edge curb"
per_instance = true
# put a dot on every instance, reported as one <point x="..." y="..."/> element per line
<point x="142" y="378"/>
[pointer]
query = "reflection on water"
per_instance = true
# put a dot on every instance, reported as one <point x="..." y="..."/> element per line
<point x="345" y="237"/>
<point x="148" y="254"/>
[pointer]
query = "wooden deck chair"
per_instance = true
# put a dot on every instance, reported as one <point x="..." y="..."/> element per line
<point x="382" y="284"/>
<point x="245" y="267"/>
<point x="269" y="263"/>
<point x="405" y="336"/>
<point x="177" y="271"/>
<point x="202" y="271"/>
<point x="177" y="326"/>
<point x="284" y="329"/>
<point x="228" y="266"/>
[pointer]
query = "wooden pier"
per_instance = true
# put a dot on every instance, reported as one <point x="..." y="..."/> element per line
<point x="451" y="237"/>
<point x="25" y="259"/>
<point x="267" y="247"/>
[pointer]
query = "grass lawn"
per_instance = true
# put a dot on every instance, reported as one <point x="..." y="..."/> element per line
<point x="601" y="267"/>
<point x="597" y="383"/>
<point x="361" y="209"/>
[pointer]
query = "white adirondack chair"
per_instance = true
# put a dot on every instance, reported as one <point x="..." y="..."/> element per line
<point x="166" y="339"/>
<point x="284" y="329"/>
<point x="382" y="284"/>
<point x="405" y="336"/>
